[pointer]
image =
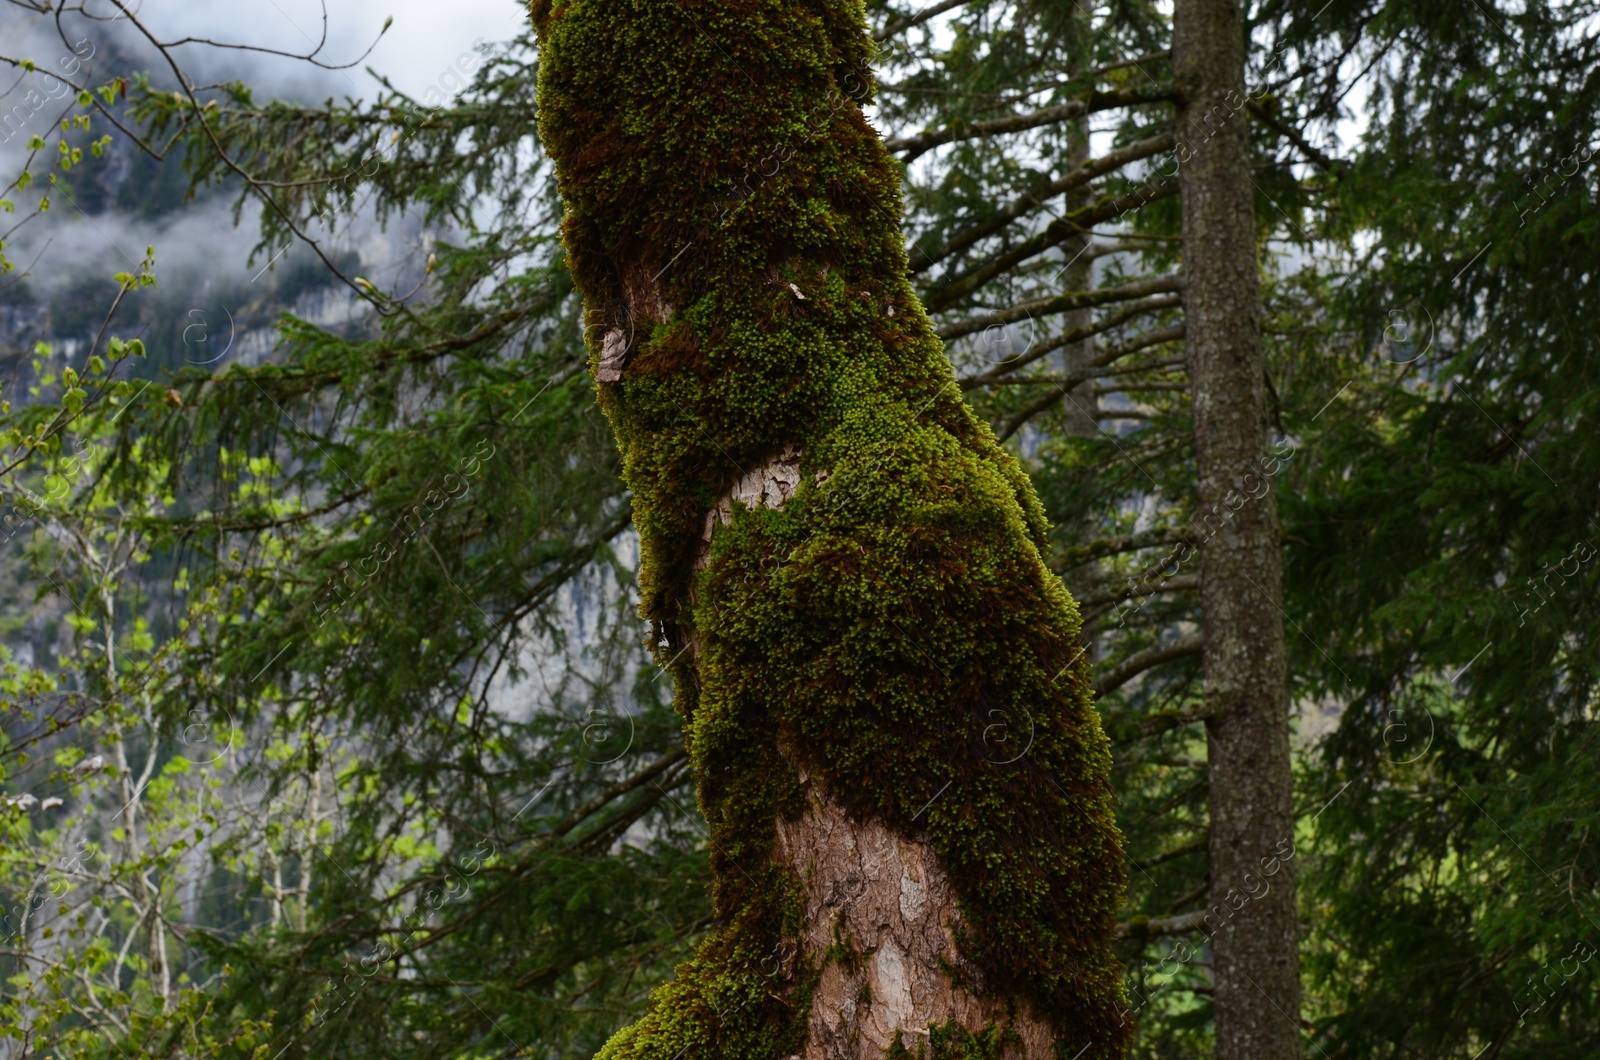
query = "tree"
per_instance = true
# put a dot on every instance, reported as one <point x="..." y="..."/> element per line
<point x="1255" y="963"/>
<point x="884" y="691"/>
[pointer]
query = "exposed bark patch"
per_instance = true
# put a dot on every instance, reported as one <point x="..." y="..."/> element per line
<point x="644" y="301"/>
<point x="893" y="904"/>
<point x="612" y="355"/>
<point x="768" y="486"/>
<point x="645" y="295"/>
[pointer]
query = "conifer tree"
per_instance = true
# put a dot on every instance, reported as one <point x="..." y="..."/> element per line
<point x="1255" y="963"/>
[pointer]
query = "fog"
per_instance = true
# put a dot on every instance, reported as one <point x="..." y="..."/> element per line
<point x="199" y="250"/>
<point x="419" y="47"/>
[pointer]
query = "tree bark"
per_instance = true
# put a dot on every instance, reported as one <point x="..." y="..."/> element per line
<point x="883" y="689"/>
<point x="1255" y="961"/>
<point x="1081" y="403"/>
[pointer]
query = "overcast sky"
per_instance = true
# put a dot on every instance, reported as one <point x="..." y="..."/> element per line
<point x="422" y="49"/>
<point x="423" y="43"/>
<point x="418" y="50"/>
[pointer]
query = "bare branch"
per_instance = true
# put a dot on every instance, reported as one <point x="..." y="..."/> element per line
<point x="1114" y="546"/>
<point x="1166" y="720"/>
<point x="1140" y="927"/>
<point x="1096" y="167"/>
<point x="1071" y="335"/>
<point x="915" y="146"/>
<point x="1062" y="303"/>
<point x="1048" y="401"/>
<point x="1181" y="583"/>
<point x="894" y="29"/>
<point x="1062" y="228"/>
<point x="1140" y="661"/>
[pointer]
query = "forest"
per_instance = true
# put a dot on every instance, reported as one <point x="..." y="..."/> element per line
<point x="662" y="529"/>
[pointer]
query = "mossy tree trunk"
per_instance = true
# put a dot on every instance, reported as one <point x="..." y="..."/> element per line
<point x="1255" y="962"/>
<point x="883" y="689"/>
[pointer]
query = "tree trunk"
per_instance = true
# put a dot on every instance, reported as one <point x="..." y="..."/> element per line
<point x="1255" y="962"/>
<point x="883" y="689"/>
<point x="1081" y="404"/>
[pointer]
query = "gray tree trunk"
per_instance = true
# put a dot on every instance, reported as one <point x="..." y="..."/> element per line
<point x="1255" y="961"/>
<point x="1081" y="404"/>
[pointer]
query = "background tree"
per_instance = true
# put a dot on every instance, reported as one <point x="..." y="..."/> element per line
<point x="1255" y="965"/>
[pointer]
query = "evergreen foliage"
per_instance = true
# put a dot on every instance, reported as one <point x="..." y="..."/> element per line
<point x="359" y="620"/>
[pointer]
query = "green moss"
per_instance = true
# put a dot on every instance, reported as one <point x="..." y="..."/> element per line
<point x="893" y="627"/>
<point x="843" y="950"/>
<point x="951" y="1041"/>
<point x="897" y="1049"/>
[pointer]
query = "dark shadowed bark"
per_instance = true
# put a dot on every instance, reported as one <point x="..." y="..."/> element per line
<point x="1255" y="964"/>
